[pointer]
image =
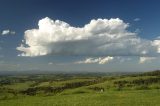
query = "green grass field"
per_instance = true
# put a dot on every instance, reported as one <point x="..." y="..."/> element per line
<point x="126" y="90"/>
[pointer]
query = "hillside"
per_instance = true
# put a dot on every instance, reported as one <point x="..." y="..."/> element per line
<point x="71" y="90"/>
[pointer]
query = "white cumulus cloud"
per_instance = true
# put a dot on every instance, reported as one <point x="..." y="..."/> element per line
<point x="8" y="32"/>
<point x="157" y="43"/>
<point x="100" y="60"/>
<point x="146" y="59"/>
<point x="101" y="37"/>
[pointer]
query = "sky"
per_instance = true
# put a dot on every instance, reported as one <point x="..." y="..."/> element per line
<point x="80" y="35"/>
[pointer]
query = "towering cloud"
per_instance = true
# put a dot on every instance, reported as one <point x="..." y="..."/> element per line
<point x="101" y="37"/>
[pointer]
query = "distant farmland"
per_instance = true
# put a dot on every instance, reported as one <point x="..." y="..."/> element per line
<point x="81" y="90"/>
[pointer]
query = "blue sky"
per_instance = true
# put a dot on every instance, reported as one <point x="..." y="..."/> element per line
<point x="18" y="16"/>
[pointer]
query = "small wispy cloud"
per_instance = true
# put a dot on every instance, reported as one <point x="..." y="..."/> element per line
<point x="137" y="19"/>
<point x="158" y="37"/>
<point x="100" y="60"/>
<point x="50" y="63"/>
<point x="146" y="59"/>
<point x="122" y="59"/>
<point x="137" y="31"/>
<point x="8" y="32"/>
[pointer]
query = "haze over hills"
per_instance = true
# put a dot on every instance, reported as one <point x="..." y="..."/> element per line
<point x="45" y="72"/>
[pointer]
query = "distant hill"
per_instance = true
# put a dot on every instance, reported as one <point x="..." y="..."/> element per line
<point x="152" y="73"/>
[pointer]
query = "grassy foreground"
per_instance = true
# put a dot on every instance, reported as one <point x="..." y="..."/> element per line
<point x="128" y="90"/>
<point x="110" y="98"/>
